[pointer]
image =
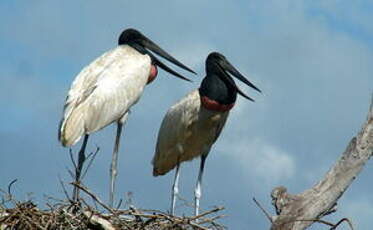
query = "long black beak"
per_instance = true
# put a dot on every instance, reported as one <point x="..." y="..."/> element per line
<point x="147" y="43"/>
<point x="230" y="68"/>
<point x="166" y="68"/>
<point x="225" y="65"/>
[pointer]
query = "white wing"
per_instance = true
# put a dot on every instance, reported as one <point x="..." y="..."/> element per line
<point x="103" y="92"/>
<point x="187" y="131"/>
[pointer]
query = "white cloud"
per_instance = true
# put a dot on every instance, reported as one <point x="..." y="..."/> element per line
<point x="260" y="159"/>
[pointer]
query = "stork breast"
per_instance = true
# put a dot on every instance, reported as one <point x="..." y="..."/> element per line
<point x="213" y="105"/>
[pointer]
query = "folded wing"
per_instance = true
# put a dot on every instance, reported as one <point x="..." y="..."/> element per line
<point x="103" y="92"/>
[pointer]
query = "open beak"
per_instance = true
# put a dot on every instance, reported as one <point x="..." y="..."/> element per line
<point x="225" y="65"/>
<point x="147" y="43"/>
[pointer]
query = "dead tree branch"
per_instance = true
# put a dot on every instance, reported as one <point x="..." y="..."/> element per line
<point x="321" y="199"/>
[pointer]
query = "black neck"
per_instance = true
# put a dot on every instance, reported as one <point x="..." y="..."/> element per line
<point x="218" y="89"/>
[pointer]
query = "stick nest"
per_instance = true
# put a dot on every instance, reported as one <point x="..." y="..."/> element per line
<point x="79" y="216"/>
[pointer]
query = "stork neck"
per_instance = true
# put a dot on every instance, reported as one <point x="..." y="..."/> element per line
<point x="217" y="94"/>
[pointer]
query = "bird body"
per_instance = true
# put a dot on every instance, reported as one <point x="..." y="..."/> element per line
<point x="103" y="92"/>
<point x="188" y="130"/>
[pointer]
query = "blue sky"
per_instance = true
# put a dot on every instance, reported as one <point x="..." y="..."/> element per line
<point x="312" y="59"/>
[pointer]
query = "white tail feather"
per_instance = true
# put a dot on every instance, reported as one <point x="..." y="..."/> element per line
<point x="72" y="128"/>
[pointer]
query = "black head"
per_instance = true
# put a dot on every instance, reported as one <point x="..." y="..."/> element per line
<point x="213" y="60"/>
<point x="218" y="83"/>
<point x="144" y="45"/>
<point x="130" y="37"/>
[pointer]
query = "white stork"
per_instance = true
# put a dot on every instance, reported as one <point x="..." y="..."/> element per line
<point x="104" y="91"/>
<point x="193" y="124"/>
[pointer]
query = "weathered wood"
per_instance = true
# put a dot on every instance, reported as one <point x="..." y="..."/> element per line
<point x="98" y="220"/>
<point x="321" y="199"/>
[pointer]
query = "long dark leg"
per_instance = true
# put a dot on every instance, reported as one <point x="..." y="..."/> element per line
<point x="78" y="170"/>
<point x="175" y="189"/>
<point x="114" y="164"/>
<point x="198" y="190"/>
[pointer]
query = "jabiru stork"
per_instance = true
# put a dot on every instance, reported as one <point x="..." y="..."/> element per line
<point x="192" y="125"/>
<point x="105" y="90"/>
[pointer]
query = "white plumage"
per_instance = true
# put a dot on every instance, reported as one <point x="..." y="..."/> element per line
<point x="188" y="130"/>
<point x="103" y="92"/>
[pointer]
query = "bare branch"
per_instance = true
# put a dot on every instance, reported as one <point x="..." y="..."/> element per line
<point x="333" y="226"/>
<point x="321" y="199"/>
<point x="64" y="190"/>
<point x="207" y="213"/>
<point x="263" y="210"/>
<point x="94" y="197"/>
<point x="10" y="187"/>
<point x="341" y="221"/>
<point x="91" y="156"/>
